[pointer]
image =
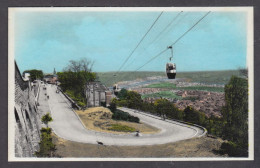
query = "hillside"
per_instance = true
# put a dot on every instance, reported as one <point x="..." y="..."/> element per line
<point x="195" y="147"/>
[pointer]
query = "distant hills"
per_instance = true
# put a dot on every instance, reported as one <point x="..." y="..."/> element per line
<point x="208" y="77"/>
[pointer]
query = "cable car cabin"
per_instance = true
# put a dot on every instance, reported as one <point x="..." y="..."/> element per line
<point x="116" y="89"/>
<point x="171" y="70"/>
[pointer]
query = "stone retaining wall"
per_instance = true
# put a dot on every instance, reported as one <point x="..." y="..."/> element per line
<point x="27" y="119"/>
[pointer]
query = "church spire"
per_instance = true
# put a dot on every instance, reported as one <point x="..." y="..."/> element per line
<point x="54" y="72"/>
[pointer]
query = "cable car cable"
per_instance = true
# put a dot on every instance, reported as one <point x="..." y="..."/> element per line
<point x="174" y="41"/>
<point x="165" y="28"/>
<point x="139" y="42"/>
<point x="190" y="28"/>
<point x="151" y="59"/>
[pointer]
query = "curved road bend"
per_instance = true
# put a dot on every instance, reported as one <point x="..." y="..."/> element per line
<point x="66" y="124"/>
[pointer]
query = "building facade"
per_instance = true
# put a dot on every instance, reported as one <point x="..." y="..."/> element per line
<point x="97" y="93"/>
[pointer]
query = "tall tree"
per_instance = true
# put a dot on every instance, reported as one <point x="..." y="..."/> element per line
<point x="134" y="100"/>
<point x="194" y="116"/>
<point x="79" y="65"/>
<point x="122" y="94"/>
<point x="235" y="111"/>
<point x="74" y="78"/>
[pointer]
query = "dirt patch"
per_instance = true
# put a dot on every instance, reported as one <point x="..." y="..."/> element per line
<point x="196" y="147"/>
<point x="100" y="119"/>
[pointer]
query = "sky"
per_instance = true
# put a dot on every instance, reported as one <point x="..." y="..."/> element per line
<point x="48" y="40"/>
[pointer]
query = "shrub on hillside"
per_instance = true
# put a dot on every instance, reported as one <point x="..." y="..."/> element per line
<point x="103" y="104"/>
<point x="232" y="149"/>
<point x="120" y="115"/>
<point x="112" y="107"/>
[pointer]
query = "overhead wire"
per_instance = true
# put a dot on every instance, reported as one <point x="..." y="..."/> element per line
<point x="165" y="28"/>
<point x="139" y="42"/>
<point x="158" y="35"/>
<point x="174" y="41"/>
<point x="116" y="73"/>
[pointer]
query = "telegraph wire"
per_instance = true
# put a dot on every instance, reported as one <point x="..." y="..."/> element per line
<point x="139" y="42"/>
<point x="174" y="41"/>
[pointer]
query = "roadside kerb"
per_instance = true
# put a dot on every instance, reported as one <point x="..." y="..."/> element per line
<point x="159" y="118"/>
<point x="73" y="109"/>
<point x="72" y="101"/>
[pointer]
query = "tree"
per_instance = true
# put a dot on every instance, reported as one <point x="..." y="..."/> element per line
<point x="46" y="119"/>
<point x="134" y="100"/>
<point x="149" y="107"/>
<point x="112" y="107"/>
<point x="235" y="111"/>
<point x="74" y="78"/>
<point x="162" y="106"/>
<point x="122" y="94"/>
<point x="34" y="74"/>
<point x="194" y="116"/>
<point x="165" y="108"/>
<point x="79" y="65"/>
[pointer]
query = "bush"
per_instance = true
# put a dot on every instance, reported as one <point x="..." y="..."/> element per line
<point x="104" y="104"/>
<point x="81" y="104"/>
<point x="112" y="107"/>
<point x="121" y="103"/>
<point x="46" y="130"/>
<point x="47" y="148"/>
<point x="120" y="115"/>
<point x="46" y="119"/>
<point x="232" y="149"/>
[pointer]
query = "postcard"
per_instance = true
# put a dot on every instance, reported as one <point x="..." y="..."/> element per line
<point x="130" y="84"/>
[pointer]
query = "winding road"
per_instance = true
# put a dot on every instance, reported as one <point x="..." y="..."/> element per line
<point x="67" y="125"/>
